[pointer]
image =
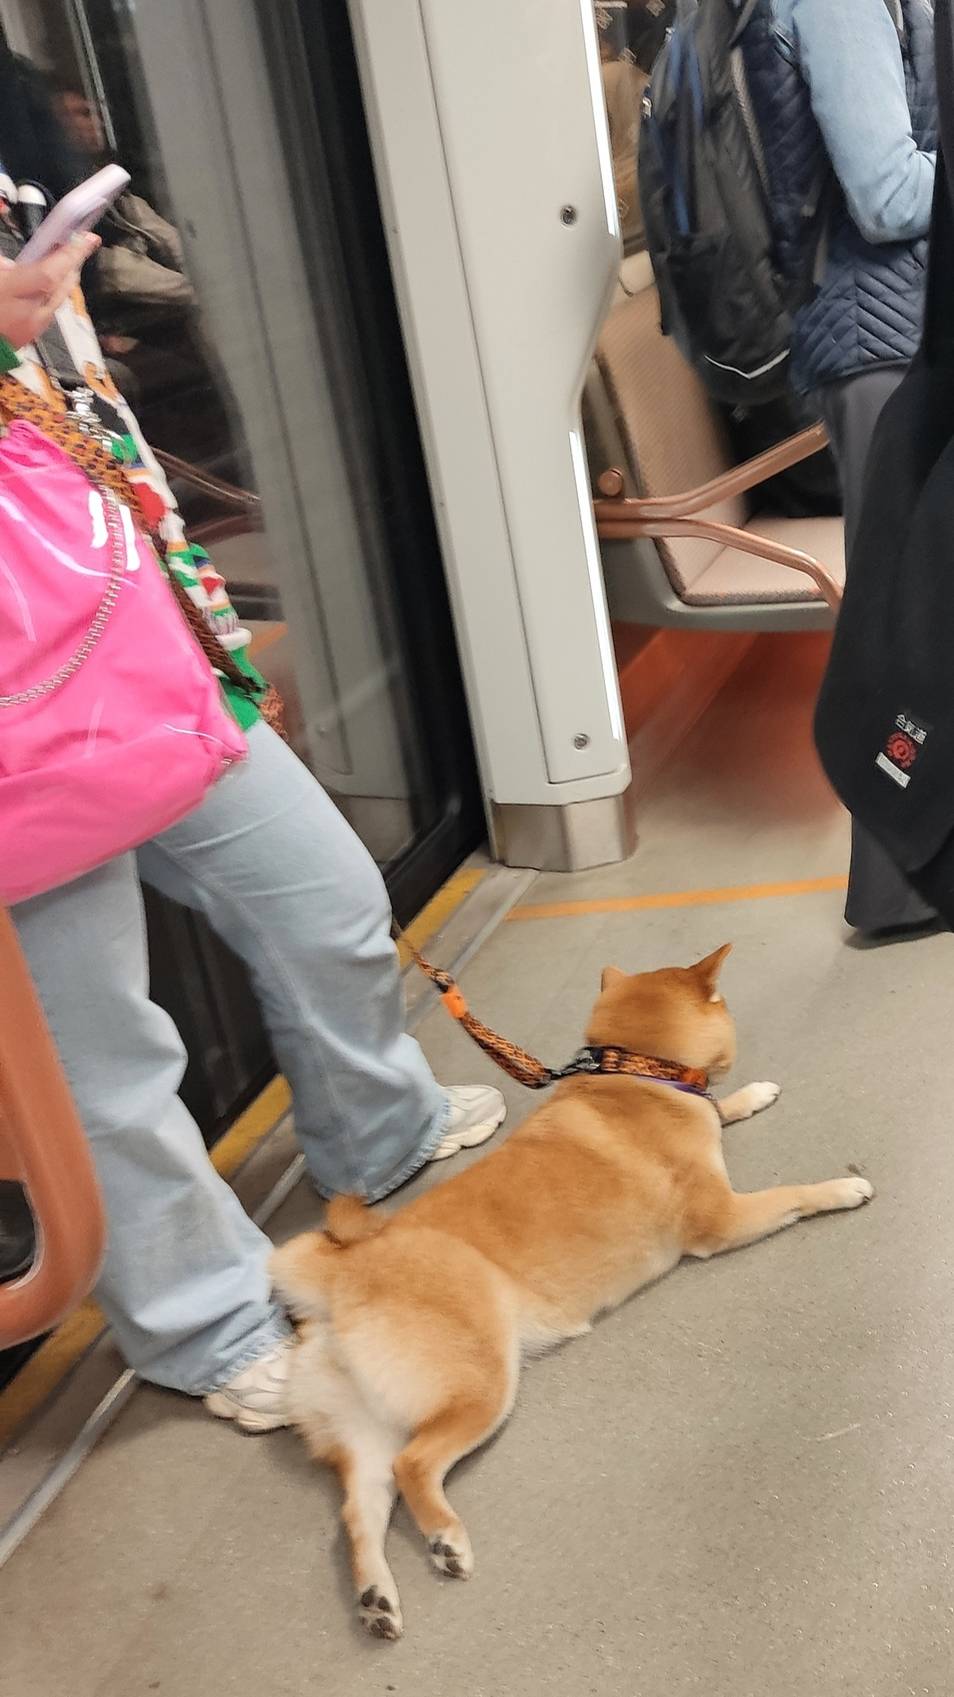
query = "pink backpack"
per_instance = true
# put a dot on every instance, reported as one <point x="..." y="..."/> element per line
<point x="112" y="725"/>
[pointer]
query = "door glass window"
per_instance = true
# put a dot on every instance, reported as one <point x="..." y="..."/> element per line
<point x="220" y="299"/>
<point x="631" y="33"/>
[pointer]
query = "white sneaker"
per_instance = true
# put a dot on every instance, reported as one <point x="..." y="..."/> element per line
<point x="476" y="1112"/>
<point x="257" y="1398"/>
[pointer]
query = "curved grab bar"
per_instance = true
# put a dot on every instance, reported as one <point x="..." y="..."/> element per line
<point x="747" y="542"/>
<point x="622" y="517"/>
<point x="611" y="483"/>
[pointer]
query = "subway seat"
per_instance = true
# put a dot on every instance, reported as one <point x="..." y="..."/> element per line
<point x="647" y="413"/>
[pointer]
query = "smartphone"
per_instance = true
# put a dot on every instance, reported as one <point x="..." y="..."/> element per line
<point x="76" y="212"/>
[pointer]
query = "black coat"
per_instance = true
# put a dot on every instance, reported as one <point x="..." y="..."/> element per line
<point x="885" y="718"/>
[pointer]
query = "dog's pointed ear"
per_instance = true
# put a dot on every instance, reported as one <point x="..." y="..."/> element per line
<point x="611" y="976"/>
<point x="707" y="971"/>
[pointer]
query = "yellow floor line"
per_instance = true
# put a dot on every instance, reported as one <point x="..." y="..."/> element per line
<point x="37" y="1380"/>
<point x="44" y="1370"/>
<point x="249" y="1129"/>
<point x="435" y="915"/>
<point x="263" y="639"/>
<point x="678" y="898"/>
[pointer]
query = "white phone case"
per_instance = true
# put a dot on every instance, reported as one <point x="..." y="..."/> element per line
<point x="77" y="211"/>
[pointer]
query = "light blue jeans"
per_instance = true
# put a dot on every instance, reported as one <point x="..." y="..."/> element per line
<point x="283" y="879"/>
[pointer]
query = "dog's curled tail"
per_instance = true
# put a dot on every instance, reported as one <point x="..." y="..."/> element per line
<point x="349" y="1220"/>
<point x="303" y="1269"/>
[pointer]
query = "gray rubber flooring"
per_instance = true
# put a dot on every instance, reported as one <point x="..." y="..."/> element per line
<point x="742" y="1483"/>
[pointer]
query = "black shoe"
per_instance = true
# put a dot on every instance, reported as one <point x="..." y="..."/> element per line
<point x="885" y="934"/>
<point x="17" y="1232"/>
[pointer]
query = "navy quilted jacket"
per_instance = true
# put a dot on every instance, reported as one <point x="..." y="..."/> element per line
<point x="880" y="135"/>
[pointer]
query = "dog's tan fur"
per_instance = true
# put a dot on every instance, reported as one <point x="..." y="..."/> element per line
<point x="413" y="1325"/>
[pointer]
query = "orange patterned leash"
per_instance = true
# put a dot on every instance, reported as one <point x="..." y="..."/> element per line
<point x="525" y="1069"/>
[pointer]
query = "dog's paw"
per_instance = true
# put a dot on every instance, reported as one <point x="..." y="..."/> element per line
<point x="752" y="1099"/>
<point x="380" y="1614"/>
<point x="851" y="1192"/>
<point x="451" y="1553"/>
<point x="762" y="1096"/>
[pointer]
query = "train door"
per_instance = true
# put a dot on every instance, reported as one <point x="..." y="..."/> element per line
<point x="245" y="302"/>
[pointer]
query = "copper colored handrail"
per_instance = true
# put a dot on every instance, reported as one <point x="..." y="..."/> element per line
<point x="206" y="482"/>
<point x="620" y="517"/>
<point x="208" y="532"/>
<point x="245" y="517"/>
<point x="747" y="541"/>
<point x="43" y="1143"/>
<point x="723" y="488"/>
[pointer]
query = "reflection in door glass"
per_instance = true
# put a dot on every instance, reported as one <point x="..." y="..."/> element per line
<point x="631" y="33"/>
<point x="267" y="477"/>
<point x="623" y="85"/>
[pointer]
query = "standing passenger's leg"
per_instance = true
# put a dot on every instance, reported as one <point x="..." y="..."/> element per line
<point x="185" y="1284"/>
<point x="284" y="880"/>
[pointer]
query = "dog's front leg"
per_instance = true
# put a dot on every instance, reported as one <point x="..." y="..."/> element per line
<point x="743" y="1104"/>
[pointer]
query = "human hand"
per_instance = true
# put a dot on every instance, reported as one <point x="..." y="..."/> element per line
<point x="31" y="294"/>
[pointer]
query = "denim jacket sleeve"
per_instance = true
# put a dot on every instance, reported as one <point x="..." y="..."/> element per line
<point x="850" y="57"/>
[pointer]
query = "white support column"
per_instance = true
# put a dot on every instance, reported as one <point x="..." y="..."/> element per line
<point x="493" y="162"/>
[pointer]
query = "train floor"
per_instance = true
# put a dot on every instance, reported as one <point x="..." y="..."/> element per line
<point x="742" y="1482"/>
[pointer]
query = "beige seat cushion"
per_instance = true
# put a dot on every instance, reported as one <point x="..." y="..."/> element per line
<point x="672" y="438"/>
<point x="734" y="578"/>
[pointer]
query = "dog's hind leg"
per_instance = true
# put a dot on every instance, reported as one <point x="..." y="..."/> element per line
<point x="366" y="1468"/>
<point x="437" y="1445"/>
<point x="340" y="1430"/>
